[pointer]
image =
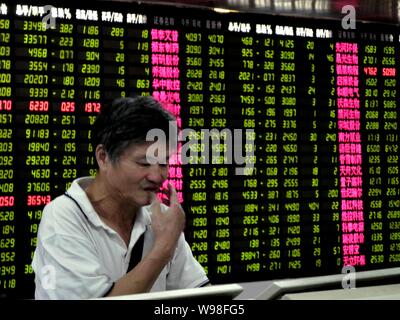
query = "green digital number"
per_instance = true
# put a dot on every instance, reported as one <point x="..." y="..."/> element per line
<point x="117" y="32"/>
<point x="4" y="37"/>
<point x="37" y="52"/>
<point x="193" y="37"/>
<point x="35" y="39"/>
<point x="34" y="26"/>
<point x="66" y="42"/>
<point x="5" y="51"/>
<point x="5" y="78"/>
<point x="4" y="24"/>
<point x="38" y="92"/>
<point x="66" y="28"/>
<point x="6" y="146"/>
<point x="90" y="43"/>
<point x="36" y="79"/>
<point x="36" y="119"/>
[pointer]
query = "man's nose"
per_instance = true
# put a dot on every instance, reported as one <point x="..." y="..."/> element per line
<point x="157" y="173"/>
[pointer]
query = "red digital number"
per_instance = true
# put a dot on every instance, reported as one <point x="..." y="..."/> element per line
<point x="37" y="105"/>
<point x="6" y="201"/>
<point x="92" y="107"/>
<point x="5" y="105"/>
<point x="67" y="106"/>
<point x="38" y="200"/>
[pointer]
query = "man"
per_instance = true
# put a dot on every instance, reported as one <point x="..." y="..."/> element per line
<point x="87" y="236"/>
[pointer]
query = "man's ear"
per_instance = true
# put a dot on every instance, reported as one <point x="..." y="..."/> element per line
<point x="101" y="156"/>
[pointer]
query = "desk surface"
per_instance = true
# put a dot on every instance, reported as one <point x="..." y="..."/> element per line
<point x="383" y="292"/>
<point x="227" y="291"/>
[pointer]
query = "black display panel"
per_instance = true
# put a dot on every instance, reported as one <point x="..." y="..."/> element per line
<point x="314" y="106"/>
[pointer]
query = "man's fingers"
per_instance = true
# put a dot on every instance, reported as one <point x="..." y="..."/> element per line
<point x="155" y="205"/>
<point x="173" y="196"/>
<point x="174" y="203"/>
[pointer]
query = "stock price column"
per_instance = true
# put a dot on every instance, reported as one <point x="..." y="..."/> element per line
<point x="379" y="76"/>
<point x="220" y="217"/>
<point x="193" y="52"/>
<point x="370" y="57"/>
<point x="243" y="106"/>
<point x="267" y="153"/>
<point x="7" y="161"/>
<point x="89" y="84"/>
<point x="114" y="62"/>
<point x="391" y="223"/>
<point x="138" y="50"/>
<point x="33" y="109"/>
<point x="65" y="117"/>
<point x="391" y="114"/>
<point x="293" y="233"/>
<point x="308" y="135"/>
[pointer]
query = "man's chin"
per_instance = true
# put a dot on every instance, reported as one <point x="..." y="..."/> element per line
<point x="150" y="195"/>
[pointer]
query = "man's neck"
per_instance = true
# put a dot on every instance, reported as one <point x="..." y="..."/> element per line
<point x="110" y="206"/>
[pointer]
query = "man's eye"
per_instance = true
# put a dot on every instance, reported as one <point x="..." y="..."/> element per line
<point x="143" y="164"/>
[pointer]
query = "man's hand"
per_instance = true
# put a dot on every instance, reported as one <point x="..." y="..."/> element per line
<point x="167" y="226"/>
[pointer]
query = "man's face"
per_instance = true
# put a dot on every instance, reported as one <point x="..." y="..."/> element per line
<point x="136" y="176"/>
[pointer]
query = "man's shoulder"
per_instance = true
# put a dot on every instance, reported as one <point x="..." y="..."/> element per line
<point x="77" y="187"/>
<point x="61" y="215"/>
<point x="60" y="203"/>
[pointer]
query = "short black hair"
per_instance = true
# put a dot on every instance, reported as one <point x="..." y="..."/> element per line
<point x="127" y="121"/>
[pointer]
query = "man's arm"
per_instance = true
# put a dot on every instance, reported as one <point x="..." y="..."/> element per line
<point x="167" y="228"/>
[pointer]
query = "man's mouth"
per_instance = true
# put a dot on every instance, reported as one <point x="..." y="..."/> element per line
<point x="151" y="189"/>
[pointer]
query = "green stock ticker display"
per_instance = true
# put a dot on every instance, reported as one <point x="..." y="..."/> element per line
<point x="317" y="106"/>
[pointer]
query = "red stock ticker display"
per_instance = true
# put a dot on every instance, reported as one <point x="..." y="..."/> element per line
<point x="315" y="106"/>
